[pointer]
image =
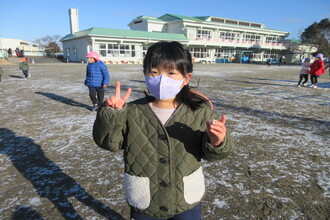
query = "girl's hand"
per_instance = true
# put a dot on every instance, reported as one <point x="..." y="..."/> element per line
<point x="216" y="131"/>
<point x="115" y="101"/>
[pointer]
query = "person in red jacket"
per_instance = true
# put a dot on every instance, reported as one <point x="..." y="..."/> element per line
<point x="316" y="69"/>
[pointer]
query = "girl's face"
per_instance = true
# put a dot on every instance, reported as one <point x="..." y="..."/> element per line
<point x="171" y="73"/>
<point x="91" y="60"/>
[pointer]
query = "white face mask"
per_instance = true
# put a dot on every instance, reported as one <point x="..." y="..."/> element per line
<point x="163" y="87"/>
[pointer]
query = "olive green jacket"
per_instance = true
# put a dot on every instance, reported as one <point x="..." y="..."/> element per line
<point x="163" y="173"/>
<point x="23" y="65"/>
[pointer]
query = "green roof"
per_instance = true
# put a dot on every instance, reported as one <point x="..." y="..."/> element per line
<point x="108" y="32"/>
<point x="204" y="18"/>
<point x="148" y="18"/>
<point x="172" y="17"/>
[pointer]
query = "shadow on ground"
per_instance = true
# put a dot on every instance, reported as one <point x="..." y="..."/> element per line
<point x="64" y="100"/>
<point x="15" y="76"/>
<point x="47" y="178"/>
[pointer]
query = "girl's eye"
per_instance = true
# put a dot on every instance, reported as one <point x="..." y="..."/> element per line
<point x="171" y="73"/>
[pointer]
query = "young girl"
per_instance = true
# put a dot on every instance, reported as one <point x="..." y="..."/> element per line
<point x="97" y="79"/>
<point x="316" y="69"/>
<point x="164" y="137"/>
<point x="304" y="71"/>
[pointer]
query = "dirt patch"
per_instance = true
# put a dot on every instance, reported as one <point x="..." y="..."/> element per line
<point x="52" y="169"/>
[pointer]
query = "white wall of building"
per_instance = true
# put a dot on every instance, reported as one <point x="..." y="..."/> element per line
<point x="152" y="26"/>
<point x="76" y="50"/>
<point x="141" y="25"/>
<point x="175" y="27"/>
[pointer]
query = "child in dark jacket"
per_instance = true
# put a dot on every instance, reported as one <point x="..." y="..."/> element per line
<point x="316" y="69"/>
<point x="164" y="135"/>
<point x="97" y="79"/>
<point x="1" y="72"/>
<point x="24" y="66"/>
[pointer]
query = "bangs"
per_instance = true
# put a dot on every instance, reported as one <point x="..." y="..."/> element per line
<point x="166" y="65"/>
<point x="168" y="56"/>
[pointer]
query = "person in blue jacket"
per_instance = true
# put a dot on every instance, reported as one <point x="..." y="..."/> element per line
<point x="97" y="79"/>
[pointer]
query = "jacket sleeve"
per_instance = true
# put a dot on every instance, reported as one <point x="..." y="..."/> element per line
<point x="86" y="73"/>
<point x="211" y="153"/>
<point x="105" y="74"/>
<point x="109" y="128"/>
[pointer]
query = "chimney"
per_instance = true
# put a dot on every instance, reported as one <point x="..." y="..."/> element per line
<point x="74" y="23"/>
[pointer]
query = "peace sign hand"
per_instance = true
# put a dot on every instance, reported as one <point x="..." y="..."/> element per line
<point x="116" y="101"/>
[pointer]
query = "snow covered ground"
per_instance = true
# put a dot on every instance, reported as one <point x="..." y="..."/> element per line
<point x="52" y="169"/>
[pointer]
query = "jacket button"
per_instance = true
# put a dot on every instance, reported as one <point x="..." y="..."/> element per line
<point x="162" y="137"/>
<point x="163" y="208"/>
<point x="164" y="184"/>
<point x="163" y="160"/>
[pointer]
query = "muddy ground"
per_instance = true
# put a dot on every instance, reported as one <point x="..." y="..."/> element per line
<point x="52" y="169"/>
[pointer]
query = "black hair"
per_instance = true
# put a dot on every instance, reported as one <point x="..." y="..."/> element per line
<point x="173" y="55"/>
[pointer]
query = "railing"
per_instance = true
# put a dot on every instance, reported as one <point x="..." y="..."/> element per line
<point x="238" y="41"/>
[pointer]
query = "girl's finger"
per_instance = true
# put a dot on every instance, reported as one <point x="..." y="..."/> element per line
<point x="218" y="128"/>
<point x="127" y="94"/>
<point x="223" y="119"/>
<point x="117" y="93"/>
<point x="113" y="100"/>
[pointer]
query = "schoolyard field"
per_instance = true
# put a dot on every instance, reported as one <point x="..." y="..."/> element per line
<point x="52" y="169"/>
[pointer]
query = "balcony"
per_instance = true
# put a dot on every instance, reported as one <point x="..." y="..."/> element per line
<point x="237" y="43"/>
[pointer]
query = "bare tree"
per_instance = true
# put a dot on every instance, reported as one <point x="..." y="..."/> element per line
<point x="51" y="42"/>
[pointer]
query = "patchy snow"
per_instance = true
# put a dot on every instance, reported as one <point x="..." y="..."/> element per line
<point x="279" y="169"/>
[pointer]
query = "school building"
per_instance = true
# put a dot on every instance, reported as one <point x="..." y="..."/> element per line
<point x="19" y="47"/>
<point x="209" y="39"/>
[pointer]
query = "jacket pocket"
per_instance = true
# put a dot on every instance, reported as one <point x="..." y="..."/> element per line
<point x="194" y="186"/>
<point x="137" y="191"/>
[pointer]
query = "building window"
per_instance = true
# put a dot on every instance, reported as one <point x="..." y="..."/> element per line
<point x="125" y="50"/>
<point x="103" y="50"/>
<point x="218" y="20"/>
<point x="255" y="25"/>
<point x="231" y="22"/>
<point x="67" y="51"/>
<point x="133" y="50"/>
<point x="225" y="53"/>
<point x="204" y="34"/>
<point x="269" y="54"/>
<point x="251" y="38"/>
<point x="199" y="52"/>
<point x="272" y="40"/>
<point x="244" y="23"/>
<point x="113" y="50"/>
<point x="255" y="55"/>
<point x="144" y="50"/>
<point x="117" y="50"/>
<point x="227" y="36"/>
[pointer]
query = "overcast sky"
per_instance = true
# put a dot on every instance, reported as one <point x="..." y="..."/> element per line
<point x="30" y="20"/>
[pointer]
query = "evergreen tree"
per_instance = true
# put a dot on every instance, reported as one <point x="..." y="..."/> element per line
<point x="318" y="34"/>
